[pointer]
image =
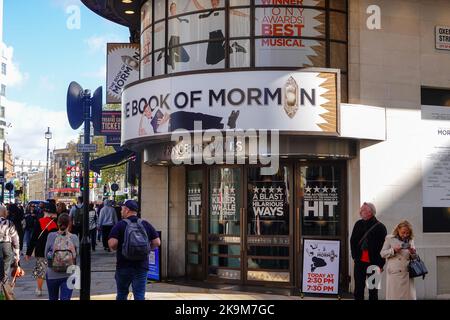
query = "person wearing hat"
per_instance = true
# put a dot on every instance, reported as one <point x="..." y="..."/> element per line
<point x="131" y="271"/>
<point x="44" y="226"/>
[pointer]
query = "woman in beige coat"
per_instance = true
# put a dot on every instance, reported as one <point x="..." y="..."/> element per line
<point x="398" y="249"/>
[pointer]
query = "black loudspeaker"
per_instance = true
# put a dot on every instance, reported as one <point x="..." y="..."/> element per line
<point x="97" y="104"/>
<point x="75" y="105"/>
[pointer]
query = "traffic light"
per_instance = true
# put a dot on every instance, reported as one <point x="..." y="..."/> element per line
<point x="81" y="183"/>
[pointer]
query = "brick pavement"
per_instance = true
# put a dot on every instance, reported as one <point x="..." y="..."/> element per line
<point x="103" y="286"/>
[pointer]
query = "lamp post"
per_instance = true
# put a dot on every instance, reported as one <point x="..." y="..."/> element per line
<point x="48" y="136"/>
<point x="24" y="185"/>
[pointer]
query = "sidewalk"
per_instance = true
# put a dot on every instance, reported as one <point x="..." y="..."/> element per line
<point x="103" y="286"/>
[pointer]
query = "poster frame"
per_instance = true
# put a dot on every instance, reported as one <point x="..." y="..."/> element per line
<point x="337" y="295"/>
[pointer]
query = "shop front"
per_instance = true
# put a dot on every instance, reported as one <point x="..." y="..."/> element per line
<point x="241" y="120"/>
<point x="248" y="228"/>
<point x="242" y="133"/>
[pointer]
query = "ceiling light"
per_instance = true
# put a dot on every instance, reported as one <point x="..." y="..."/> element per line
<point x="129" y="12"/>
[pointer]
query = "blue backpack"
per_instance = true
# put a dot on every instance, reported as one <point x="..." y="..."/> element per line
<point x="136" y="245"/>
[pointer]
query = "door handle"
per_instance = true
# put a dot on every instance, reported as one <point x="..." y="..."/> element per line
<point x="297" y="226"/>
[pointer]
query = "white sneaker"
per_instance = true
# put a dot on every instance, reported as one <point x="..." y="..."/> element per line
<point x="38" y="292"/>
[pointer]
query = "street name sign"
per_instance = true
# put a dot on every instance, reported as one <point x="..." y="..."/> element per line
<point x="90" y="148"/>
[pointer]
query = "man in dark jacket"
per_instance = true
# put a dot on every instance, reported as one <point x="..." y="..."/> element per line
<point x="366" y="242"/>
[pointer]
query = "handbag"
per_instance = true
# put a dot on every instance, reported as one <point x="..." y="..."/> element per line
<point x="417" y="268"/>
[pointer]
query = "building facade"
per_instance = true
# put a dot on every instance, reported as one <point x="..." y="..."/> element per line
<point x="3" y="73"/>
<point x="355" y="96"/>
<point x="36" y="186"/>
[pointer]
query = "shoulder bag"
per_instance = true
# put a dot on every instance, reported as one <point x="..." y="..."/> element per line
<point x="417" y="268"/>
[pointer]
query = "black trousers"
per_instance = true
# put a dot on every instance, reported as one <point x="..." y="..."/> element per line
<point x="105" y="235"/>
<point x="93" y="237"/>
<point x="360" y="274"/>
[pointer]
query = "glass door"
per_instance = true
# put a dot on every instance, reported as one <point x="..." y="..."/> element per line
<point x="269" y="227"/>
<point x="320" y="201"/>
<point x="224" y="223"/>
<point x="194" y="265"/>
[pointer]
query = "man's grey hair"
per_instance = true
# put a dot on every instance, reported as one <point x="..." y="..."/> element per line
<point x="2" y="210"/>
<point x="371" y="207"/>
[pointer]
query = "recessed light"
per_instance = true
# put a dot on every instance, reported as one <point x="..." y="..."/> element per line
<point x="129" y="12"/>
<point x="127" y="1"/>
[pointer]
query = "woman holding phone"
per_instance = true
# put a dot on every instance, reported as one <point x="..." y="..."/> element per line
<point x="398" y="249"/>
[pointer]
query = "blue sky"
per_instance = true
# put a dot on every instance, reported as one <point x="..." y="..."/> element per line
<point x="48" y="56"/>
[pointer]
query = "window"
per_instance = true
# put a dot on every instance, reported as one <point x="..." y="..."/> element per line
<point x="321" y="200"/>
<point x="3" y="90"/>
<point x="183" y="35"/>
<point x="2" y="112"/>
<point x="268" y="216"/>
<point x="2" y="134"/>
<point x="4" y="68"/>
<point x="224" y="236"/>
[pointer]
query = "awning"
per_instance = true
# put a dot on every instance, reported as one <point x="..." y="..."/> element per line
<point x="111" y="160"/>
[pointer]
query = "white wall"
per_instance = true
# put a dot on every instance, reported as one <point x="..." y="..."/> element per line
<point x="387" y="69"/>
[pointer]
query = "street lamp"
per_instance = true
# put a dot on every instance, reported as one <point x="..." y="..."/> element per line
<point x="24" y="177"/>
<point x="48" y="136"/>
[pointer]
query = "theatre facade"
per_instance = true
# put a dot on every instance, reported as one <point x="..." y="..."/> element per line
<point x="263" y="125"/>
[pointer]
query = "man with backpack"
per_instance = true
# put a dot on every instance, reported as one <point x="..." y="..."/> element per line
<point x="133" y="238"/>
<point x="76" y="216"/>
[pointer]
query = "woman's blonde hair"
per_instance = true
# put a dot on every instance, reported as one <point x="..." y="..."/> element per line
<point x="403" y="224"/>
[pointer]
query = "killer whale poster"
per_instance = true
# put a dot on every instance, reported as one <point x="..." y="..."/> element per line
<point x="321" y="266"/>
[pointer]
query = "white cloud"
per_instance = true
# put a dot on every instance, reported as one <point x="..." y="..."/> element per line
<point x="46" y="84"/>
<point x="14" y="77"/>
<point x="29" y="123"/>
<point x="99" y="74"/>
<point x="98" y="43"/>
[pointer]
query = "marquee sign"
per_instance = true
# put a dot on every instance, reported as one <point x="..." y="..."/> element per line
<point x="273" y="100"/>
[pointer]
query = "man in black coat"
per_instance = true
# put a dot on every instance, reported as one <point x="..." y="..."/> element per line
<point x="366" y="242"/>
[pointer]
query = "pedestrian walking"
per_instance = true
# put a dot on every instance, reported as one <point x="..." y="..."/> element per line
<point x="92" y="226"/>
<point x="61" y="208"/>
<point x="16" y="216"/>
<point x="106" y="222"/>
<point x="366" y="242"/>
<point x="398" y="250"/>
<point x="99" y="231"/>
<point x="133" y="238"/>
<point x="30" y="221"/>
<point x="76" y="216"/>
<point x="38" y="241"/>
<point x="61" y="250"/>
<point x="9" y="245"/>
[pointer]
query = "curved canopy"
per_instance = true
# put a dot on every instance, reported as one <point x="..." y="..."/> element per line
<point x="118" y="11"/>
